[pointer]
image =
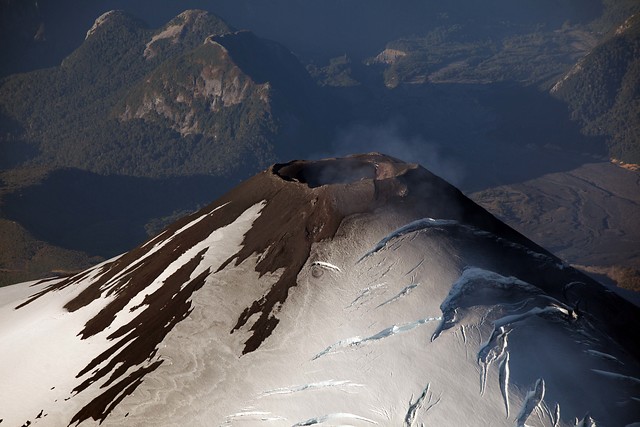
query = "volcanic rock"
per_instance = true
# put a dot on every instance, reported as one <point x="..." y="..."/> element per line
<point x="362" y="291"/>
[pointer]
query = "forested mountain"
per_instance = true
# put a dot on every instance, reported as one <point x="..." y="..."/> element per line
<point x="135" y="128"/>
<point x="37" y="34"/>
<point x="361" y="291"/>
<point x="193" y="97"/>
<point x="603" y="91"/>
<point x="144" y="113"/>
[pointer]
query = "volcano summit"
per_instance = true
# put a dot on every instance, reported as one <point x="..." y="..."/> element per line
<point x="360" y="291"/>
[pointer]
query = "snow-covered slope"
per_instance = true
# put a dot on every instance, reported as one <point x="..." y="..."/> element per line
<point x="358" y="291"/>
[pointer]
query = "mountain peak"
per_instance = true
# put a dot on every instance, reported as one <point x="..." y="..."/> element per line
<point x="628" y="25"/>
<point x="187" y="30"/>
<point x="360" y="290"/>
<point x="112" y="17"/>
<point x="100" y="20"/>
<point x="191" y="15"/>
<point x="347" y="170"/>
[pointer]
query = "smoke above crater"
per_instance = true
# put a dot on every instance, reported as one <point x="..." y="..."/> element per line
<point x="391" y="138"/>
<point x="316" y="174"/>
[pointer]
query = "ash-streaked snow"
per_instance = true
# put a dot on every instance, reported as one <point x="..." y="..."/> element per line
<point x="440" y="322"/>
<point x="328" y="359"/>
<point x="42" y="338"/>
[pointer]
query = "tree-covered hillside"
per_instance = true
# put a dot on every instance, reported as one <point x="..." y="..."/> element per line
<point x="603" y="91"/>
<point x="182" y="109"/>
<point x="184" y="99"/>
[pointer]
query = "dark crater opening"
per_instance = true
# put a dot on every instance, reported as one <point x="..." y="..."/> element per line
<point x="326" y="172"/>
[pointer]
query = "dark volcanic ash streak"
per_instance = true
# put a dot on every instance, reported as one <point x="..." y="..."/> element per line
<point x="294" y="206"/>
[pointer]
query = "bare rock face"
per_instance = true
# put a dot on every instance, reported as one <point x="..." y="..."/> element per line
<point x="362" y="290"/>
<point x="101" y="20"/>
<point x="198" y="77"/>
<point x="229" y="81"/>
<point x="602" y="89"/>
<point x="184" y="32"/>
<point x="214" y="82"/>
<point x="389" y="56"/>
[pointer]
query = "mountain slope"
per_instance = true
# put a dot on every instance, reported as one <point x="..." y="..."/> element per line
<point x="166" y="102"/>
<point x="361" y="290"/>
<point x="355" y="27"/>
<point x="603" y="91"/>
<point x="531" y="43"/>
<point x="192" y="104"/>
<point x="23" y="257"/>
<point x="586" y="216"/>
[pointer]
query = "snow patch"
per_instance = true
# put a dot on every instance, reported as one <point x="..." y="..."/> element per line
<point x="367" y="294"/>
<point x="253" y="416"/>
<point x="531" y="402"/>
<point x="42" y="339"/>
<point x="326" y="265"/>
<point x="56" y="333"/>
<point x="513" y="318"/>
<point x="493" y="350"/>
<point x="431" y="223"/>
<point x="417" y="266"/>
<point x="403" y="293"/>
<point x="412" y="227"/>
<point x="334" y="419"/>
<point x="134" y="306"/>
<point x="163" y="242"/>
<point x="587" y="421"/>
<point x="617" y="376"/>
<point x="604" y="356"/>
<point x="414" y="407"/>
<point x="385" y="333"/>
<point x="504" y="381"/>
<point x="312" y="386"/>
<point x="556" y="416"/>
<point x="472" y="280"/>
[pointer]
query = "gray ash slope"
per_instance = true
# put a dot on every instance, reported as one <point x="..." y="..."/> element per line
<point x="360" y="290"/>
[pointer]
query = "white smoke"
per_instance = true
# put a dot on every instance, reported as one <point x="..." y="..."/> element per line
<point x="389" y="138"/>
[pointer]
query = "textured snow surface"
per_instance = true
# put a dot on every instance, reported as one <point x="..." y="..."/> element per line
<point x="46" y="346"/>
<point x="41" y="358"/>
<point x="411" y="333"/>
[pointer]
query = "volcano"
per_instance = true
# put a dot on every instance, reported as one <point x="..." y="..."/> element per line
<point x="353" y="291"/>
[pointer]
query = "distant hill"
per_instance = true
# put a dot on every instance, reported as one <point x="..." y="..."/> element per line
<point x="142" y="123"/>
<point x="603" y="91"/>
<point x="361" y="291"/>
<point x="135" y="128"/>
<point x="531" y="43"/>
<point x="587" y="217"/>
<point x="192" y="97"/>
<point x="39" y="33"/>
<point x="501" y="52"/>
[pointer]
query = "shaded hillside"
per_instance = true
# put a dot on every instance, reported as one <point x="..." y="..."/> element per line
<point x="105" y="215"/>
<point x="525" y="42"/>
<point x="587" y="217"/>
<point x="348" y="291"/>
<point x="23" y="257"/>
<point x="38" y="34"/>
<point x="603" y="91"/>
<point x="487" y="53"/>
<point x="172" y="101"/>
<point x="456" y="86"/>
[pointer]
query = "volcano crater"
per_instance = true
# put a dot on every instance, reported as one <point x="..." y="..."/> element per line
<point x="340" y="171"/>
